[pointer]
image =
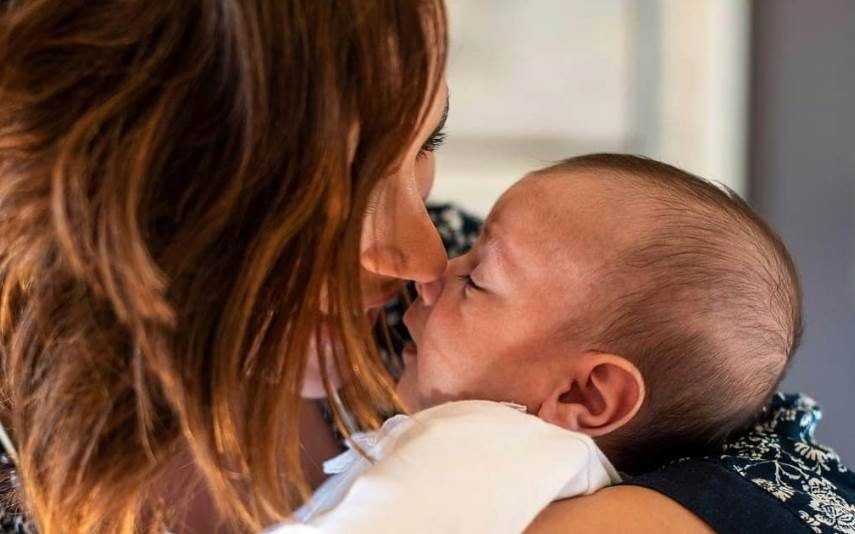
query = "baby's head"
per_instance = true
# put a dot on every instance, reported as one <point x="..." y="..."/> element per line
<point x="616" y="296"/>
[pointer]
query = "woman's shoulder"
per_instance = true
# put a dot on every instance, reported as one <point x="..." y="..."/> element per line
<point x="634" y="509"/>
<point x="775" y="474"/>
<point x="781" y="456"/>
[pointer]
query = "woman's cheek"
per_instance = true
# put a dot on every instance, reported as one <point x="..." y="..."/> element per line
<point x="424" y="172"/>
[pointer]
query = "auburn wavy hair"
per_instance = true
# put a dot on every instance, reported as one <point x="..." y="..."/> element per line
<point x="178" y="183"/>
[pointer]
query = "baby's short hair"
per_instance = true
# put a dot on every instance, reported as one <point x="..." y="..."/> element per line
<point x="708" y="308"/>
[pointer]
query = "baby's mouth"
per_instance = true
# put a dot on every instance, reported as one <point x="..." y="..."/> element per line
<point x="410" y="352"/>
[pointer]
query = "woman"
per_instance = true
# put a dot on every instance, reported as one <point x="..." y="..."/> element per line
<point x="203" y="205"/>
<point x="184" y="186"/>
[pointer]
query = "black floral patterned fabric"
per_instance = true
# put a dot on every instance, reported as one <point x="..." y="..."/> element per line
<point x="772" y="478"/>
<point x="781" y="456"/>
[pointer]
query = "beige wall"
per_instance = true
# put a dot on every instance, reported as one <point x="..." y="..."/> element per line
<point x="536" y="81"/>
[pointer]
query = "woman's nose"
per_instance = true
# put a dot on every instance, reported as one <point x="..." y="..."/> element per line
<point x="429" y="291"/>
<point x="418" y="261"/>
<point x="408" y="248"/>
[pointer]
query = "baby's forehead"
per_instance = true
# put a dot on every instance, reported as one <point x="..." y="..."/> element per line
<point x="565" y="190"/>
<point x="562" y="218"/>
<point x="567" y="203"/>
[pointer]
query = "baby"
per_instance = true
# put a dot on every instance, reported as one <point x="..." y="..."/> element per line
<point x="616" y="296"/>
<point x="610" y="297"/>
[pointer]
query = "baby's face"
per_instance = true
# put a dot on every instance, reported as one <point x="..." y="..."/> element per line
<point x="490" y="327"/>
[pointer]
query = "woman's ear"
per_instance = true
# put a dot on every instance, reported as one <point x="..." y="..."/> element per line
<point x="602" y="393"/>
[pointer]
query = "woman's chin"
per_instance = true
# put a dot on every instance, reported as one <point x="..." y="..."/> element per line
<point x="313" y="384"/>
<point x="372" y="314"/>
<point x="313" y="388"/>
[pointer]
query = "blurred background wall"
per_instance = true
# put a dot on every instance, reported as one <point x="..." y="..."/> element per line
<point x="533" y="82"/>
<point x="755" y="95"/>
<point x="802" y="179"/>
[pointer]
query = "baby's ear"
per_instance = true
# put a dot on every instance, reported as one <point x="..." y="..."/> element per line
<point x="602" y="393"/>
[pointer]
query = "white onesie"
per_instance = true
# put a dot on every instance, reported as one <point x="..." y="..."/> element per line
<point x="467" y="466"/>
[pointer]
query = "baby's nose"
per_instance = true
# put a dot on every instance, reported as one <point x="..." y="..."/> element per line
<point x="429" y="291"/>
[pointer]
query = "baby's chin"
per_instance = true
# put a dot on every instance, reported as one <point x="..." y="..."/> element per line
<point x="408" y="395"/>
<point x="416" y="394"/>
<point x="414" y="400"/>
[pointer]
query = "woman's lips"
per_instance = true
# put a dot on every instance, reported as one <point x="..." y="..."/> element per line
<point x="372" y="314"/>
<point x="381" y="301"/>
<point x="372" y="309"/>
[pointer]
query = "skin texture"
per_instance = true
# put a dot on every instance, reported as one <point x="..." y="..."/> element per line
<point x="488" y="327"/>
<point x="618" y="509"/>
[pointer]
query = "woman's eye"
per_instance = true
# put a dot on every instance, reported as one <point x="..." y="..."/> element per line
<point x="469" y="282"/>
<point x="432" y="144"/>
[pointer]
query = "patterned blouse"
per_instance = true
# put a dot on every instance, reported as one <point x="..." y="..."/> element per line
<point x="773" y="478"/>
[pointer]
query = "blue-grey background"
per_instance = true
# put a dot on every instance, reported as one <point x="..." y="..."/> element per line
<point x="802" y="179"/>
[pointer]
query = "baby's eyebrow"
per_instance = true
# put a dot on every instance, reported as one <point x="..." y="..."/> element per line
<point x="492" y="246"/>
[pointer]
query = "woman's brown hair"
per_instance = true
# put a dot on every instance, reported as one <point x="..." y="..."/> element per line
<point x="178" y="194"/>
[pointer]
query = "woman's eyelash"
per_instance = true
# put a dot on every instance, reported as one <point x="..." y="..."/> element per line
<point x="469" y="282"/>
<point x="432" y="144"/>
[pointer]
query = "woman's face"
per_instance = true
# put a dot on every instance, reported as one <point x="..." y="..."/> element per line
<point x="399" y="241"/>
